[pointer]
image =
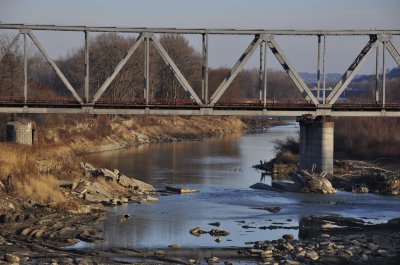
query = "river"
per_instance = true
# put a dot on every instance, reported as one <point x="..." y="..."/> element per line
<point x="221" y="169"/>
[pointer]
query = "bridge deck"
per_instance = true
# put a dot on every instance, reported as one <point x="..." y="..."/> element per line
<point x="257" y="108"/>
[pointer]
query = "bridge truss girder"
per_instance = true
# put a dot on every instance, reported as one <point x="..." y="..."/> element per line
<point x="290" y="70"/>
<point x="352" y="70"/>
<point x="230" y="76"/>
<point x="261" y="37"/>
<point x="28" y="32"/>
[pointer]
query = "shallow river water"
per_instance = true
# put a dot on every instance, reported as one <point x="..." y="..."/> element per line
<point x="221" y="168"/>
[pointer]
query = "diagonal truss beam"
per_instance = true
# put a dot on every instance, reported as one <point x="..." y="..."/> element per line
<point x="393" y="51"/>
<point x="55" y="67"/>
<point x="230" y="76"/>
<point x="117" y="69"/>
<point x="352" y="70"/>
<point x="10" y="45"/>
<point x="178" y="74"/>
<point x="291" y="71"/>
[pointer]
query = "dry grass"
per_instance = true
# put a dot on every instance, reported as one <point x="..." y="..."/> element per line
<point x="32" y="170"/>
<point x="38" y="188"/>
<point x="89" y="133"/>
<point x="356" y="138"/>
<point x="367" y="138"/>
<point x="287" y="151"/>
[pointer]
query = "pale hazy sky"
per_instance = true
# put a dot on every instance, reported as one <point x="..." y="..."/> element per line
<point x="244" y="14"/>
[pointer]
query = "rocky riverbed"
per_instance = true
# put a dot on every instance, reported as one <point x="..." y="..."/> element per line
<point x="333" y="240"/>
<point x="36" y="233"/>
<point x="322" y="240"/>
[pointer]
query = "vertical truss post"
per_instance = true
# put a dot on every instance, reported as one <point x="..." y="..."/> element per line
<point x="383" y="74"/>
<point x="260" y="73"/>
<point x="377" y="75"/>
<point x="324" y="72"/>
<point x="318" y="67"/>
<point x="87" y="66"/>
<point x="147" y="69"/>
<point x="265" y="73"/>
<point x="204" y="70"/>
<point x="25" y="70"/>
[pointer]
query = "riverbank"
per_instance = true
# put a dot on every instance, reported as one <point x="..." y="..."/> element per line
<point x="47" y="182"/>
<point x="36" y="170"/>
<point x="106" y="133"/>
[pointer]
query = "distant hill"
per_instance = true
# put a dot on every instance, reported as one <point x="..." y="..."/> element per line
<point x="312" y="78"/>
<point x="394" y="73"/>
<point x="335" y="77"/>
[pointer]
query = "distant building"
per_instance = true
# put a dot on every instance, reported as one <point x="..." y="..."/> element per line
<point x="21" y="132"/>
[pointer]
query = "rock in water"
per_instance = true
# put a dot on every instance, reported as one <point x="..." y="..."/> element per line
<point x="11" y="258"/>
<point x="217" y="224"/>
<point x="218" y="232"/>
<point x="272" y="209"/>
<point x="174" y="246"/>
<point x="197" y="231"/>
<point x="359" y="188"/>
<point x="212" y="260"/>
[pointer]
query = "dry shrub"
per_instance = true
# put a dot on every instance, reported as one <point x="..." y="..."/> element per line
<point x="34" y="170"/>
<point x="38" y="188"/>
<point x="290" y="145"/>
<point x="286" y="157"/>
<point x="66" y="205"/>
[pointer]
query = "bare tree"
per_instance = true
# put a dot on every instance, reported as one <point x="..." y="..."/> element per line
<point x="11" y="68"/>
<point x="187" y="59"/>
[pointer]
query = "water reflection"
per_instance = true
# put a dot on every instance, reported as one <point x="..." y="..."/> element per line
<point x="176" y="163"/>
<point x="221" y="168"/>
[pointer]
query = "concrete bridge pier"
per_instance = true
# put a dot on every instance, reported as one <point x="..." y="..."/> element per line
<point x="316" y="143"/>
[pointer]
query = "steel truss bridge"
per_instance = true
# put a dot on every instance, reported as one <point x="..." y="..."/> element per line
<point x="203" y="104"/>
